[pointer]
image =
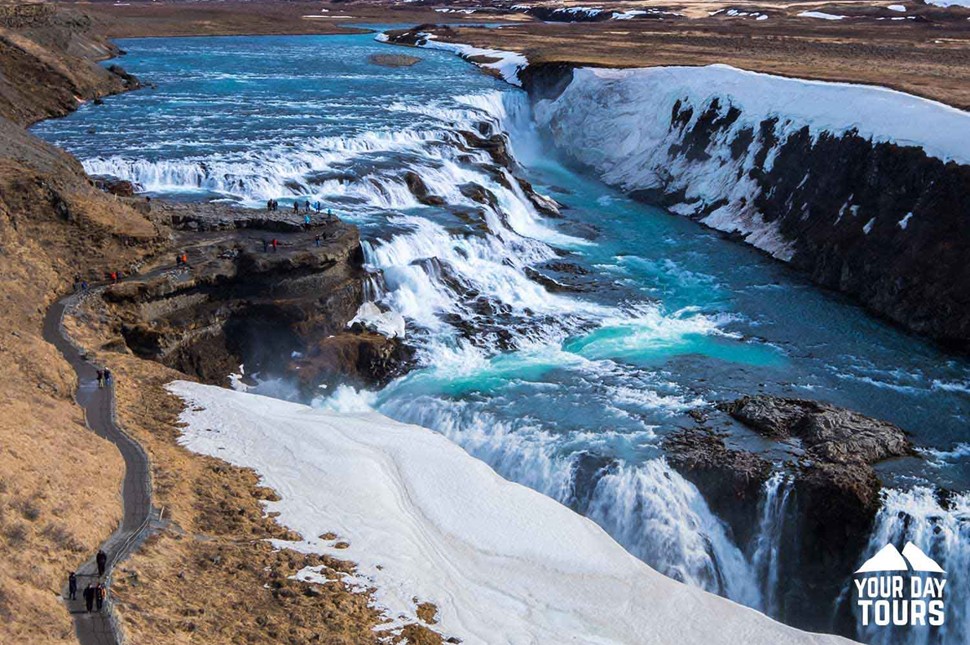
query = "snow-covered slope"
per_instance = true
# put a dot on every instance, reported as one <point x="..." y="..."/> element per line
<point x="856" y="185"/>
<point x="426" y="521"/>
<point x="633" y="107"/>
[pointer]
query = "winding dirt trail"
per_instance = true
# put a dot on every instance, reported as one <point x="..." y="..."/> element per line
<point x="99" y="628"/>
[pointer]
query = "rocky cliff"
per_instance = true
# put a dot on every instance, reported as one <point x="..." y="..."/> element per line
<point x="279" y="310"/>
<point x="49" y="62"/>
<point x="828" y="482"/>
<point x="863" y="189"/>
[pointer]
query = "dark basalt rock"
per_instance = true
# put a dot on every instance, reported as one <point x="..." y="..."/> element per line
<point x="478" y="194"/>
<point x="357" y="356"/>
<point x="829" y="433"/>
<point x="730" y="480"/>
<point x="420" y="190"/>
<point x="240" y="304"/>
<point x="393" y="60"/>
<point x="495" y="145"/>
<point x="113" y="185"/>
<point x="130" y="81"/>
<point x="835" y="494"/>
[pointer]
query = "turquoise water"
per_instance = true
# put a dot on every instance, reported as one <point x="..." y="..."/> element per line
<point x="662" y="316"/>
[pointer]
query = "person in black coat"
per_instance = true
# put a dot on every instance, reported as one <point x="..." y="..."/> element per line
<point x="102" y="560"/>
<point x="72" y="586"/>
<point x="89" y="597"/>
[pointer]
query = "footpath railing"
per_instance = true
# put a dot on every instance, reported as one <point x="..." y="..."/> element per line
<point x="123" y="541"/>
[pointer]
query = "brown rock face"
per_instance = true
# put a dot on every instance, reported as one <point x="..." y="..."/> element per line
<point x="51" y="52"/>
<point x="241" y="304"/>
<point x="360" y="357"/>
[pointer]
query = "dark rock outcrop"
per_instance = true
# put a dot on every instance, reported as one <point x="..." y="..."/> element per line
<point x="113" y="185"/>
<point x="361" y="358"/>
<point x="835" y="495"/>
<point x="420" y="190"/>
<point x="730" y="480"/>
<point x="828" y="433"/>
<point x="241" y="304"/>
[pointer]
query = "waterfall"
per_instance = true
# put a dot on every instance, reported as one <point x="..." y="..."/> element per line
<point x="662" y="519"/>
<point x="768" y="541"/>
<point x="648" y="508"/>
<point x="943" y="533"/>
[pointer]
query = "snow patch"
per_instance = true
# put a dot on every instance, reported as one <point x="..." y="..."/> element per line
<point x="903" y="223"/>
<point x="425" y="520"/>
<point x="896" y="7"/>
<point x="385" y="323"/>
<point x="507" y="64"/>
<point x="821" y="15"/>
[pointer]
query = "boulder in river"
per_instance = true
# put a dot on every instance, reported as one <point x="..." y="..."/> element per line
<point x="393" y="60"/>
<point x="828" y="433"/>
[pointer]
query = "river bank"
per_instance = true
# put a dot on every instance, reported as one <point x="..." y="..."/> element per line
<point x="60" y="485"/>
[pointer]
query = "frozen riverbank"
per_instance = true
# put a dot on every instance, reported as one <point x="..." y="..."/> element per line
<point x="856" y="186"/>
<point x="425" y="520"/>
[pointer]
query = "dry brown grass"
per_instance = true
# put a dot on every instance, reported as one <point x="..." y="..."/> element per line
<point x="59" y="483"/>
<point x="926" y="59"/>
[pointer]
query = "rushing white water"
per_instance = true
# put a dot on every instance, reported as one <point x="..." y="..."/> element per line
<point x="773" y="513"/>
<point x="662" y="519"/>
<point x="944" y="535"/>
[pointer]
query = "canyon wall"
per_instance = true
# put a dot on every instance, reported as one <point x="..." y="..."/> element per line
<point x="863" y="189"/>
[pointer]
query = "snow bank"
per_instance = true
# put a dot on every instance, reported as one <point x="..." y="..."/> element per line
<point x="424" y="520"/>
<point x="634" y="106"/>
<point x="821" y="15"/>
<point x="507" y="64"/>
<point x="619" y="122"/>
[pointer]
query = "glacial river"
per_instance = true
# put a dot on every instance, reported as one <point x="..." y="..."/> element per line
<point x="660" y="315"/>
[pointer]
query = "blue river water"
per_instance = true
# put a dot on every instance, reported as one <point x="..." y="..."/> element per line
<point x="663" y="316"/>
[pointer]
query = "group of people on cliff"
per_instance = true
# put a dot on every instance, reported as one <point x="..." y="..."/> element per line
<point x="95" y="593"/>
<point x="274" y="205"/>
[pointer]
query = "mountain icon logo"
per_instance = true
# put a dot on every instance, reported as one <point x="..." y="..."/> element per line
<point x="890" y="559"/>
